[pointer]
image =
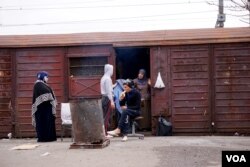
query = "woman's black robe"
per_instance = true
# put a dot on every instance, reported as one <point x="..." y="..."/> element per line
<point x="43" y="112"/>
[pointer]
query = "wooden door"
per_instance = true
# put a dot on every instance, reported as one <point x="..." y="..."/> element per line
<point x="185" y="100"/>
<point x="190" y="89"/>
<point x="85" y="69"/>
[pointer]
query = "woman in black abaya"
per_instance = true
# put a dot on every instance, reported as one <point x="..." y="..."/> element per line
<point x="44" y="109"/>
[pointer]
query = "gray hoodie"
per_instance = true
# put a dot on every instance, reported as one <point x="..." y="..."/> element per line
<point x="106" y="82"/>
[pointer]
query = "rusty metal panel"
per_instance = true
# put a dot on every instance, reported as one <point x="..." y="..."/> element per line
<point x="5" y="93"/>
<point x="28" y="63"/>
<point x="86" y="66"/>
<point x="190" y="88"/>
<point x="232" y="88"/>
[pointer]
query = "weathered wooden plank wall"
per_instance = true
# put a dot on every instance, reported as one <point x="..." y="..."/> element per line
<point x="5" y="93"/>
<point x="207" y="87"/>
<point x="207" y="81"/>
<point x="160" y="102"/>
<point x="232" y="88"/>
<point x="190" y="88"/>
<point x="28" y="63"/>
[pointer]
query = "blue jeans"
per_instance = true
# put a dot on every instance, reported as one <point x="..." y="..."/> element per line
<point x="124" y="121"/>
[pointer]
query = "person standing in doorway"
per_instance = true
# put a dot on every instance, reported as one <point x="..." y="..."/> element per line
<point x="44" y="109"/>
<point x="107" y="95"/>
<point x="143" y="84"/>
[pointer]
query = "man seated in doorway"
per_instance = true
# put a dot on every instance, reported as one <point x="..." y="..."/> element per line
<point x="130" y="101"/>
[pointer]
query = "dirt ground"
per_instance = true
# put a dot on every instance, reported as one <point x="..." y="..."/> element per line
<point x="174" y="151"/>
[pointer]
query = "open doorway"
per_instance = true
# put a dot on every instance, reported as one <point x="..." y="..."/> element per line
<point x="129" y="60"/>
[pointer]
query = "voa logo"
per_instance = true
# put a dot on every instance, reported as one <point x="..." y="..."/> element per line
<point x="236" y="158"/>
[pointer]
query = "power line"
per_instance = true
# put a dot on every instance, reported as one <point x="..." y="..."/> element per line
<point x="61" y="3"/>
<point x="140" y="26"/>
<point x="109" y="19"/>
<point x="104" y="6"/>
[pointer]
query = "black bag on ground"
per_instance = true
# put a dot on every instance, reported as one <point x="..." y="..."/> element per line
<point x="164" y="127"/>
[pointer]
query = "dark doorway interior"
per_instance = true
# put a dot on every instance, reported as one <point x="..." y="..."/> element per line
<point x="130" y="60"/>
<point x="128" y="63"/>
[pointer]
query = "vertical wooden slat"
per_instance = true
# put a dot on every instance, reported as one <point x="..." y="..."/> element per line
<point x="28" y="63"/>
<point x="5" y="93"/>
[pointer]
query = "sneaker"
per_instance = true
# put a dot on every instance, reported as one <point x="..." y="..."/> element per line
<point x="125" y="138"/>
<point x="112" y="133"/>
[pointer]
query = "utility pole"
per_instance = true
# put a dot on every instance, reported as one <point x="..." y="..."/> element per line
<point x="221" y="17"/>
<point x="248" y="7"/>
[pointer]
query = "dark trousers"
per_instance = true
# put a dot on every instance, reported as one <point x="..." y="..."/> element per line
<point x="106" y="112"/>
<point x="124" y="121"/>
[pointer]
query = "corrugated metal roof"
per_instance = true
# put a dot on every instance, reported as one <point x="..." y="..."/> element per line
<point x="143" y="38"/>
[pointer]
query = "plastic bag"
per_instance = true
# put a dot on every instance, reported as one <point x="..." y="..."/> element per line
<point x="159" y="83"/>
<point x="164" y="127"/>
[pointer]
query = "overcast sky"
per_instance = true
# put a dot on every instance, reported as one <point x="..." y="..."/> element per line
<point x="76" y="16"/>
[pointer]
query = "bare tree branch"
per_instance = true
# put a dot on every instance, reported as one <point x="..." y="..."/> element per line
<point x="237" y="15"/>
<point x="244" y="2"/>
<point x="242" y="6"/>
<point x="236" y="6"/>
<point x="211" y="3"/>
<point x="236" y="10"/>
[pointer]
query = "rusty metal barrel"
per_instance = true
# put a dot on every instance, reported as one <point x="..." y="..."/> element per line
<point x="87" y="124"/>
